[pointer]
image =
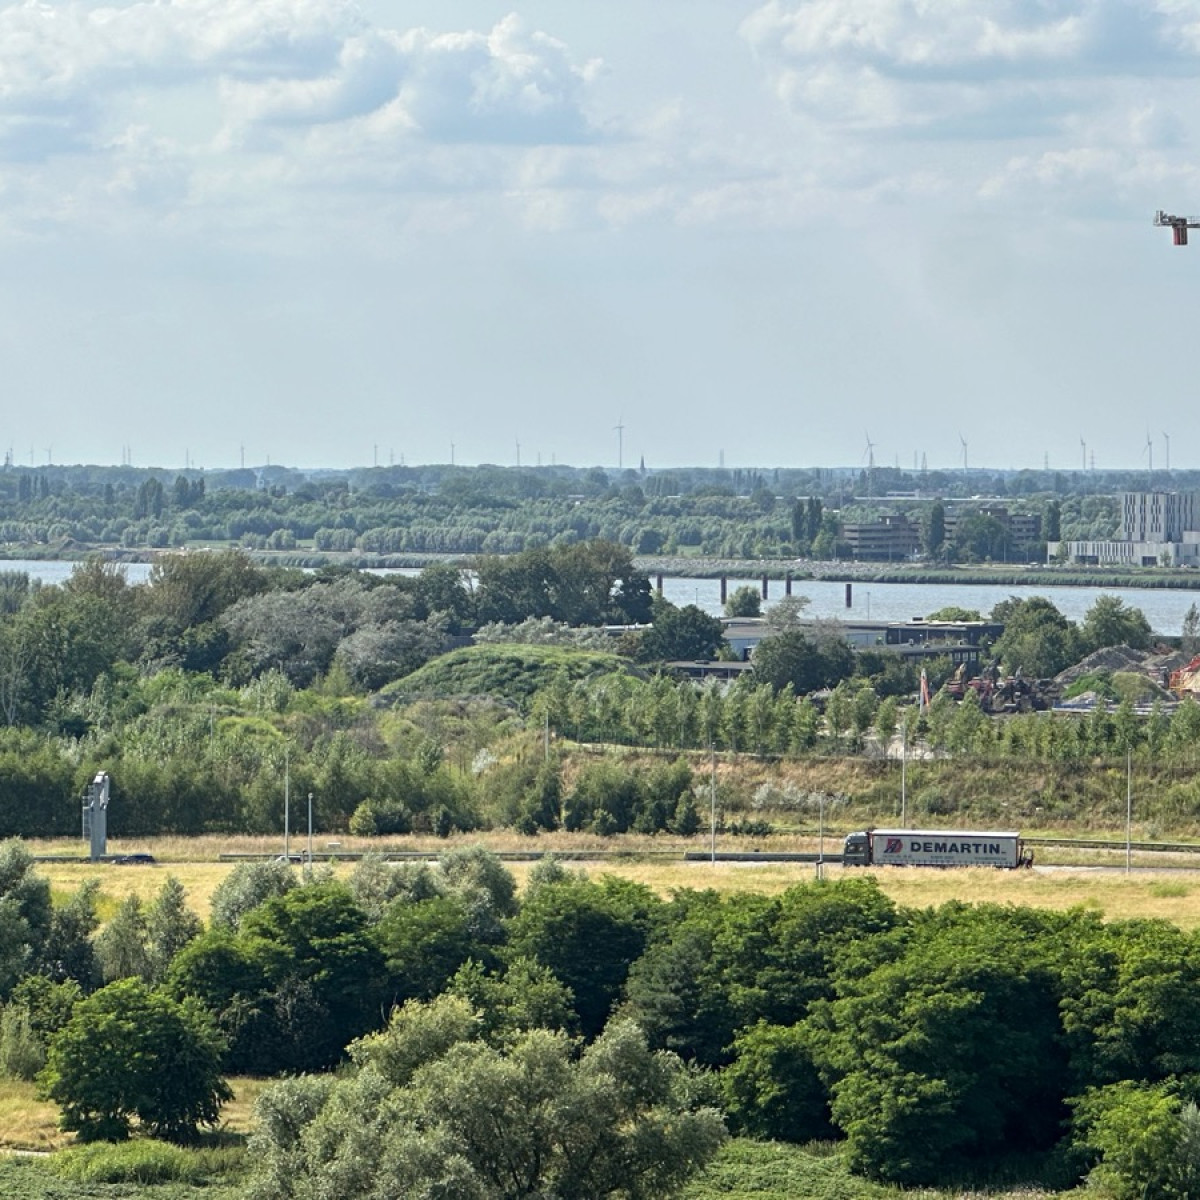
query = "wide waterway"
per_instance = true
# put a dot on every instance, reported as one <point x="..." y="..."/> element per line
<point x="1164" y="608"/>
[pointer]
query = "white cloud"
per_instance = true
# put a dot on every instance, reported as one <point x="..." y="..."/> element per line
<point x="1080" y="107"/>
<point x="921" y="36"/>
<point x="239" y="99"/>
<point x="363" y="79"/>
<point x="968" y="68"/>
<point x="250" y="117"/>
<point x="508" y="85"/>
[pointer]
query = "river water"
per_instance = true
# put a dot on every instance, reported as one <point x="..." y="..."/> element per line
<point x="1164" y="607"/>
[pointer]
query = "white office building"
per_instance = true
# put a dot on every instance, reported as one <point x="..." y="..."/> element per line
<point x="1157" y="529"/>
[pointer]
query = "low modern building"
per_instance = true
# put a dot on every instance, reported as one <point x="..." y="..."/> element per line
<point x="960" y="641"/>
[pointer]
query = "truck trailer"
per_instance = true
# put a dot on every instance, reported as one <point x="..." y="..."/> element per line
<point x="935" y="848"/>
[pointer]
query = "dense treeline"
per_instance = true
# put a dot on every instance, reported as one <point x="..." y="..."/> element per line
<point x="211" y="760"/>
<point x="222" y="615"/>
<point x="490" y="510"/>
<point x="196" y="688"/>
<point x="933" y="1044"/>
<point x="464" y="512"/>
<point x="750" y="717"/>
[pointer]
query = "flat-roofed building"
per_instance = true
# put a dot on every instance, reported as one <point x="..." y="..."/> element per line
<point x="960" y="641"/>
<point x="1156" y="529"/>
<point x="1158" y="516"/>
<point x="891" y="537"/>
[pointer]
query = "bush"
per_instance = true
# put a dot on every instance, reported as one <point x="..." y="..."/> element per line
<point x="247" y="886"/>
<point x="374" y="818"/>
<point x="1144" y="1137"/>
<point x="131" y="1053"/>
<point x="772" y="1089"/>
<point x="433" y="1111"/>
<point x="22" y="1052"/>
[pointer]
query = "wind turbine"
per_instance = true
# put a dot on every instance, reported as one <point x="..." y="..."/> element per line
<point x="518" y="452"/>
<point x="1150" y="453"/>
<point x="869" y="456"/>
<point x="964" y="450"/>
<point x="1167" y="439"/>
<point x="619" y="428"/>
<point x="1083" y="451"/>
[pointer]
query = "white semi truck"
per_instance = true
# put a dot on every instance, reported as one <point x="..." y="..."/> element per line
<point x="935" y="848"/>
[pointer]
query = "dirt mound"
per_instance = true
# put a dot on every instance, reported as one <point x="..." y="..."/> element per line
<point x="1156" y="665"/>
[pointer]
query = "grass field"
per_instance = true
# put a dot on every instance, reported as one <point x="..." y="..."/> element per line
<point x="1095" y="881"/>
<point x="22" y="1179"/>
<point x="744" y="1170"/>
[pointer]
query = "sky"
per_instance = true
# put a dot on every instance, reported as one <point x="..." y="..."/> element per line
<point x="777" y="233"/>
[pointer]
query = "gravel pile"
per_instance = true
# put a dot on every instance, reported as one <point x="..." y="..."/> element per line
<point x="1153" y="664"/>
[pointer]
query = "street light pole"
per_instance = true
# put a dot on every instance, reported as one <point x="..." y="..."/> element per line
<point x="1128" y="811"/>
<point x="904" y="773"/>
<point x="821" y="844"/>
<point x="310" y="833"/>
<point x="287" y="822"/>
<point x="712" y="799"/>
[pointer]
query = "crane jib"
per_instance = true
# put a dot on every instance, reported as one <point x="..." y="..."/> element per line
<point x="1179" y="226"/>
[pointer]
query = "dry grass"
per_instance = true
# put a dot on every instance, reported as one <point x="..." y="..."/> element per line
<point x="209" y="847"/>
<point x="238" y="1115"/>
<point x="200" y="879"/>
<point x="27" y="1123"/>
<point x="1112" y="895"/>
<point x="1171" y="896"/>
<point x="1092" y="879"/>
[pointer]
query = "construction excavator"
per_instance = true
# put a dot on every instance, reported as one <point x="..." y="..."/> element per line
<point x="1186" y="680"/>
<point x="1001" y="694"/>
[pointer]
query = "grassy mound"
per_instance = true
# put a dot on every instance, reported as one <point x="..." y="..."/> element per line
<point x="144" y="1161"/>
<point x="511" y="672"/>
<point x="748" y="1170"/>
<point x="36" y="1179"/>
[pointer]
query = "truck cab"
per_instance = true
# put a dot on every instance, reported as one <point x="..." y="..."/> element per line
<point x="856" y="850"/>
